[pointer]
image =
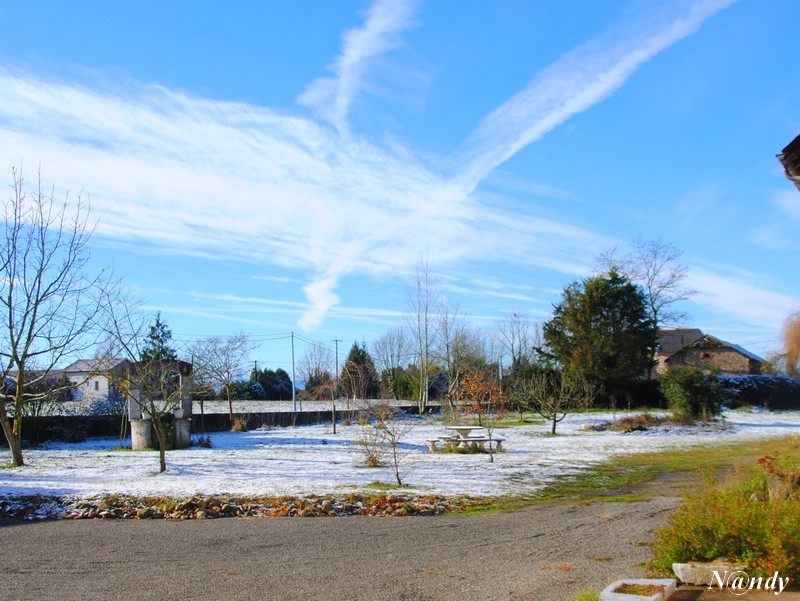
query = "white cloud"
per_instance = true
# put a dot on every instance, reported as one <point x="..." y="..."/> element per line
<point x="779" y="232"/>
<point x="788" y="203"/>
<point x="173" y="173"/>
<point x="577" y="81"/>
<point x="331" y="97"/>
<point x="741" y="296"/>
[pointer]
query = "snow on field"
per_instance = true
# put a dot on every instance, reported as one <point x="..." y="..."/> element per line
<point x="311" y="459"/>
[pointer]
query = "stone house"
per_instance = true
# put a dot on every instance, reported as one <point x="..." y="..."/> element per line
<point x="670" y="342"/>
<point x="710" y="354"/>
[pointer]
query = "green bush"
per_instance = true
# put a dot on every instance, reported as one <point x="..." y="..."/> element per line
<point x="746" y="521"/>
<point x="691" y="394"/>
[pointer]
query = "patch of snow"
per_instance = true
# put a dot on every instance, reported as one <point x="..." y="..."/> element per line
<point x="307" y="460"/>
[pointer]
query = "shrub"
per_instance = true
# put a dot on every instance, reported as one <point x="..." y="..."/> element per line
<point x="692" y="394"/>
<point x="636" y="423"/>
<point x="768" y="391"/>
<point x="239" y="424"/>
<point x="741" y="520"/>
<point x="587" y="595"/>
<point x="204" y="440"/>
<point x="371" y="446"/>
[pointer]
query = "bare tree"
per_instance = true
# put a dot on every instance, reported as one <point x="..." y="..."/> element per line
<point x="516" y="336"/>
<point x="219" y="361"/>
<point x="50" y="302"/>
<point x="382" y="434"/>
<point x="459" y="349"/>
<point x="393" y="432"/>
<point x="390" y="351"/>
<point x="155" y="380"/>
<point x="423" y="304"/>
<point x="791" y="335"/>
<point x="316" y="367"/>
<point x="655" y="266"/>
<point x="554" y="394"/>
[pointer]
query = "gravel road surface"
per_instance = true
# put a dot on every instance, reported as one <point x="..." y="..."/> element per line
<point x="544" y="553"/>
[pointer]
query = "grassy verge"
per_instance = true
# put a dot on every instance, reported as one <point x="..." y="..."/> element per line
<point x="752" y="519"/>
<point x="624" y="477"/>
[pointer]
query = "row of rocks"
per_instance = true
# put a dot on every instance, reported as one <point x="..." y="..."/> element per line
<point x="216" y="507"/>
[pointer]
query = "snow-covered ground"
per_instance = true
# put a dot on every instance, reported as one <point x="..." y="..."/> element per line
<point x="311" y="459"/>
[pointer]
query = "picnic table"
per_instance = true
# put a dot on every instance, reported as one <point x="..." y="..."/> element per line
<point x="464" y="432"/>
<point x="464" y="438"/>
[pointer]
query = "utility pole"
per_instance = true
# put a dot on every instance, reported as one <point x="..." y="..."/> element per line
<point x="294" y="391"/>
<point x="337" y="341"/>
<point x="335" y="381"/>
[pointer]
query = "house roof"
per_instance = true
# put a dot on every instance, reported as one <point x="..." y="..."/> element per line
<point x="790" y="159"/>
<point x="94" y="365"/>
<point x="709" y="341"/>
<point x="670" y="342"/>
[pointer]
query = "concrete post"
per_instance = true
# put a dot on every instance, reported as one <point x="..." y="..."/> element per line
<point x="183" y="432"/>
<point x="141" y="434"/>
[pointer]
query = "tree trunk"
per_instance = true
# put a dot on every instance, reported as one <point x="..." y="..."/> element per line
<point x="16" y="433"/>
<point x="162" y="445"/>
<point x="553" y="429"/>
<point x="14" y="441"/>
<point x="123" y="427"/>
<point x="230" y="404"/>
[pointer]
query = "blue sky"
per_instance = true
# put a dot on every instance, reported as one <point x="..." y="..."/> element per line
<point x="276" y="167"/>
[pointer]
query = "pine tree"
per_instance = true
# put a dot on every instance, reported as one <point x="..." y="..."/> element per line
<point x="359" y="375"/>
<point x="156" y="345"/>
<point x="601" y="329"/>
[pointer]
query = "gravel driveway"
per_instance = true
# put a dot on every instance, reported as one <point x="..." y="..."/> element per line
<point x="543" y="553"/>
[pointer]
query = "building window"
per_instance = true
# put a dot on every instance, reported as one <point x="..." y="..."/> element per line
<point x="705" y="355"/>
<point x="96" y="385"/>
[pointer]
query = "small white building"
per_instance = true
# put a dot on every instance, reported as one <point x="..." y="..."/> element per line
<point x="92" y="379"/>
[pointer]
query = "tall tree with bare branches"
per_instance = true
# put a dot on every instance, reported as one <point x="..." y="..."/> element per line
<point x="390" y="351"/>
<point x="655" y="266"/>
<point x="459" y="350"/>
<point x="423" y="305"/>
<point x="791" y="335"/>
<point x="50" y="300"/>
<point x="517" y="337"/>
<point x="316" y="367"/>
<point x="219" y="361"/>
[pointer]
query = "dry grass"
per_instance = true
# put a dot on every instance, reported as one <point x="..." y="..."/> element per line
<point x="559" y="567"/>
<point x="239" y="425"/>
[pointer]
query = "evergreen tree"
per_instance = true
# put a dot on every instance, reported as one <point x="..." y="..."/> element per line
<point x="276" y="385"/>
<point x="601" y="329"/>
<point x="359" y="376"/>
<point x="156" y="345"/>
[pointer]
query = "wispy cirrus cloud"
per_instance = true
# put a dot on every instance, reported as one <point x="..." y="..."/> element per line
<point x="780" y="230"/>
<point x="174" y="173"/>
<point x="740" y="294"/>
<point x="576" y="82"/>
<point x="331" y="97"/>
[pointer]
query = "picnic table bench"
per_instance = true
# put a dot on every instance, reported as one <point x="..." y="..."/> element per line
<point x="463" y="439"/>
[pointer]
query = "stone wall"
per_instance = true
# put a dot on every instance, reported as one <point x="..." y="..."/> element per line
<point x="726" y="361"/>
